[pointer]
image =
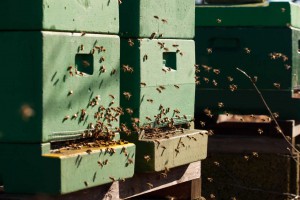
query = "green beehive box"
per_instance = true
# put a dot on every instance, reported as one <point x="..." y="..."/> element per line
<point x="64" y="15"/>
<point x="33" y="169"/>
<point x="159" y="76"/>
<point x="268" y="54"/>
<point x="53" y="84"/>
<point x="164" y="18"/>
<point x="267" y="14"/>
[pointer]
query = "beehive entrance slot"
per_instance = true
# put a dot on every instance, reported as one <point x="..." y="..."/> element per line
<point x="169" y="60"/>
<point x="85" y="63"/>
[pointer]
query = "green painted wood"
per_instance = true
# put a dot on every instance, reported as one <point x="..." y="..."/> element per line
<point x="82" y="15"/>
<point x="41" y="95"/>
<point x="171" y="18"/>
<point x="30" y="168"/>
<point x="146" y="100"/>
<point x="266" y="14"/>
<point x="177" y="150"/>
<point x="228" y="50"/>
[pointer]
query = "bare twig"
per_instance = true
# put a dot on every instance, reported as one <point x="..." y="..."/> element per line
<point x="269" y="110"/>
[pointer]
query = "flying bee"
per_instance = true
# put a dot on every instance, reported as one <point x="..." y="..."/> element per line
<point x="130" y="42"/>
<point x="246" y="158"/>
<point x="164" y="21"/>
<point x="229" y="78"/>
<point x="277" y="85"/>
<point x="148" y="118"/>
<point x="164" y="70"/>
<point x="156" y="17"/>
<point x="102" y="69"/>
<point x="69" y="68"/>
<point x="66" y="118"/>
<point x="181" y="53"/>
<point x="219" y="21"/>
<point x="216" y="71"/>
<point x="113" y="72"/>
<point x="135" y="120"/>
<point x="210" y="179"/>
<point x="176" y="111"/>
<point x="143" y="84"/>
<point x="161" y="44"/>
<point x="220" y="104"/>
<point x="175" y="45"/>
<point x="209" y="50"/>
<point x="247" y="50"/>
<point x="129" y="111"/>
<point x="147" y="158"/>
<point x="81" y="47"/>
<point x="145" y="57"/>
<point x="86" y="63"/>
<point x="130" y="161"/>
<point x="102" y="59"/>
<point x="176" y="86"/>
<point x="260" y="131"/>
<point x="214" y="82"/>
<point x="233" y="87"/>
<point x="206" y="80"/>
<point x="112" y="178"/>
<point x="127" y="95"/>
<point x="276" y="115"/>
<point x="150" y="185"/>
<point x="127" y="68"/>
<point x="206" y="68"/>
<point x="255" y="154"/>
<point x="166" y="49"/>
<point x="202" y="123"/>
<point x="159" y="90"/>
<point x="92" y="51"/>
<point x="162" y="87"/>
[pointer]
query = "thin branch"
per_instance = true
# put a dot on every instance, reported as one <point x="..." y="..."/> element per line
<point x="269" y="110"/>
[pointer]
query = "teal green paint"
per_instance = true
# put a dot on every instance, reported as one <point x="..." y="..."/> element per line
<point x="180" y="16"/>
<point x="228" y="52"/>
<point x="99" y="16"/>
<point x="27" y="170"/>
<point x="262" y="14"/>
<point x="151" y="73"/>
<point x="161" y="158"/>
<point x="37" y="76"/>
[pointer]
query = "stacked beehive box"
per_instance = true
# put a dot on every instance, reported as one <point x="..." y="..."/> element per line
<point x="60" y="96"/>
<point x="263" y="41"/>
<point x="157" y="82"/>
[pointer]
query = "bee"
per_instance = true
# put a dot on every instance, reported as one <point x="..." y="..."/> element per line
<point x="127" y="95"/>
<point x="159" y="90"/>
<point x="287" y="67"/>
<point x="260" y="131"/>
<point x="175" y="45"/>
<point x="113" y="72"/>
<point x="164" y="70"/>
<point x="130" y="42"/>
<point x="112" y="178"/>
<point x="210" y="179"/>
<point x="147" y="158"/>
<point x="86" y="63"/>
<point x="102" y="69"/>
<point x="176" y="111"/>
<point x="216" y="71"/>
<point x="150" y="185"/>
<point x="145" y="57"/>
<point x="219" y="21"/>
<point x="276" y="115"/>
<point x="177" y="150"/>
<point x="105" y="162"/>
<point x="160" y="35"/>
<point x="135" y="120"/>
<point x="214" y="82"/>
<point x="229" y="78"/>
<point x="70" y="92"/>
<point x="83" y="33"/>
<point x="184" y="116"/>
<point x="127" y="68"/>
<point x="255" y="154"/>
<point x="164" y="175"/>
<point x="152" y="35"/>
<point x="100" y="164"/>
<point x="161" y="44"/>
<point x="120" y="2"/>
<point x="181" y="53"/>
<point x="162" y="146"/>
<point x="83" y="113"/>
<point x="189" y="137"/>
<point x="220" y="104"/>
<point x="166" y="49"/>
<point x="206" y="68"/>
<point x="148" y="118"/>
<point x="81" y="47"/>
<point x="233" y="87"/>
<point x="112" y="150"/>
<point x="162" y="87"/>
<point x="75" y="116"/>
<point x="157" y="141"/>
<point x="277" y="85"/>
<point x="156" y="17"/>
<point x="102" y="59"/>
<point x="212" y="196"/>
<point x="86" y="184"/>
<point x="66" y="118"/>
<point x="210" y="132"/>
<point x="282" y="9"/>
<point x="197" y="82"/>
<point x="247" y="50"/>
<point x="209" y="50"/>
<point x="202" y="123"/>
<point x="278" y="129"/>
<point x="216" y="163"/>
<point x="89" y="151"/>
<point x="246" y="158"/>
<point x="164" y="21"/>
<point x="129" y="111"/>
<point x="150" y="100"/>
<point x="176" y="86"/>
<point x="69" y="68"/>
<point x="130" y="161"/>
<point x="143" y="84"/>
<point x="92" y="51"/>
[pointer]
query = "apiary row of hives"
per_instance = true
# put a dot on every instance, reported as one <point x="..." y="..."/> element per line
<point x="82" y="107"/>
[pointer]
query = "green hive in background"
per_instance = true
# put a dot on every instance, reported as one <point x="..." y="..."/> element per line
<point x="44" y="95"/>
<point x="159" y="75"/>
<point x="63" y="15"/>
<point x="262" y="44"/>
<point x="164" y="18"/>
<point x="31" y="168"/>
